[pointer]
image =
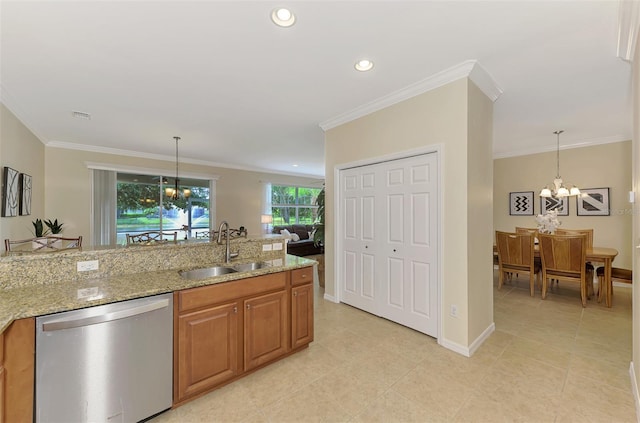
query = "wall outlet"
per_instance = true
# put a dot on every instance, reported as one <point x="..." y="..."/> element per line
<point x="266" y="247"/>
<point x="277" y="246"/>
<point x="454" y="310"/>
<point x="85" y="266"/>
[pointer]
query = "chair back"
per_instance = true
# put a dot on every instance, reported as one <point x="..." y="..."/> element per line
<point x="521" y="230"/>
<point x="42" y="244"/>
<point x="587" y="232"/>
<point x="563" y="256"/>
<point x="515" y="251"/>
<point x="151" y="237"/>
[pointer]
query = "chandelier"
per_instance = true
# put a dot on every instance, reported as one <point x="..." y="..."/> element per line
<point x="558" y="188"/>
<point x="174" y="193"/>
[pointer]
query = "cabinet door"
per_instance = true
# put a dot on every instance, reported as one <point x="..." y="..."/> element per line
<point x="301" y="315"/>
<point x="207" y="349"/>
<point x="265" y="328"/>
<point x="19" y="366"/>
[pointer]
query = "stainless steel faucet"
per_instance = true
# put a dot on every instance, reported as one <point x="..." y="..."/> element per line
<point x="228" y="255"/>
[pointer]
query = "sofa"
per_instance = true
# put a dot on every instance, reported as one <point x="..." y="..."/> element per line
<point x="304" y="246"/>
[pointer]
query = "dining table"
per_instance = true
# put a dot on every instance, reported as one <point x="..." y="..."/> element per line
<point x="604" y="255"/>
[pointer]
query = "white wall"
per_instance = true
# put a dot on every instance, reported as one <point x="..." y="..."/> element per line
<point x="21" y="150"/>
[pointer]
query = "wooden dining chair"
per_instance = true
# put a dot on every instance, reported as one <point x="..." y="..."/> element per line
<point x="516" y="255"/>
<point x="564" y="258"/>
<point x="590" y="266"/>
<point x="43" y="244"/>
<point x="151" y="237"/>
<point x="617" y="275"/>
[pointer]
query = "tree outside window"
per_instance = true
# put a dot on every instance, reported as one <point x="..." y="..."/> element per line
<point x="292" y="204"/>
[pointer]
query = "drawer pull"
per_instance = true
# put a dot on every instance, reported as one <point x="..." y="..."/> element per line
<point x="295" y="294"/>
<point x="235" y="309"/>
<point x="248" y="306"/>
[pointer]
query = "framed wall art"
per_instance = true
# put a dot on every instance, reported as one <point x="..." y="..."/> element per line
<point x="521" y="203"/>
<point x="554" y="203"/>
<point x="10" y="193"/>
<point x="25" y="194"/>
<point x="593" y="202"/>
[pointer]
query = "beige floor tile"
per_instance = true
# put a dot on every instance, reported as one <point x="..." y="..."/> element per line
<point x="392" y="407"/>
<point x="605" y="372"/>
<point x="306" y="405"/>
<point x="227" y="404"/>
<point x="584" y="396"/>
<point x="434" y="390"/>
<point x="540" y="351"/>
<point x="508" y="404"/>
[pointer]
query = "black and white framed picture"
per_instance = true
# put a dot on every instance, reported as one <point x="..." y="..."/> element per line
<point x="553" y="203"/>
<point x="10" y="193"/>
<point x="25" y="194"/>
<point x="593" y="202"/>
<point x="521" y="203"/>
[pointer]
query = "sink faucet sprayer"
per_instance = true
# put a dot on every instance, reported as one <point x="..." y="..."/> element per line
<point x="228" y="255"/>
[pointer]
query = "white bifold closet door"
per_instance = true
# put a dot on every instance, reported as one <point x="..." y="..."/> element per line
<point x="388" y="263"/>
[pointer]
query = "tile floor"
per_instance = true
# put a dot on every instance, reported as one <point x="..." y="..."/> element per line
<point x="547" y="361"/>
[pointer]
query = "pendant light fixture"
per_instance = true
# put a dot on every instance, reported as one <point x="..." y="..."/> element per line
<point x="174" y="193"/>
<point x="558" y="189"/>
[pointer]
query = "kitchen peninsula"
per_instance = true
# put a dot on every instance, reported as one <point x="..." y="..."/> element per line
<point x="268" y="311"/>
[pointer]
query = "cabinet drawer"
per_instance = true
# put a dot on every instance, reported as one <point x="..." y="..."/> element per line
<point x="301" y="276"/>
<point x="199" y="297"/>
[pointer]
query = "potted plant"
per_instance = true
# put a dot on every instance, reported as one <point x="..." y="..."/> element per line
<point x="40" y="233"/>
<point x="54" y="227"/>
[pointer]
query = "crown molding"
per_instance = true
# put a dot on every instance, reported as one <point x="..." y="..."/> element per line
<point x="469" y="69"/>
<point x="628" y="24"/>
<point x="551" y="148"/>
<point x="131" y="153"/>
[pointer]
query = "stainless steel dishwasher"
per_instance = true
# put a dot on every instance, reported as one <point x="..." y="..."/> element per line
<point x="109" y="363"/>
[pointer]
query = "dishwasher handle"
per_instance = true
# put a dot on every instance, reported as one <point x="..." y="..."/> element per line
<point x="103" y="318"/>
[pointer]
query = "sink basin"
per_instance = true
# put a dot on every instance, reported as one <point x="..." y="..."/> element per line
<point x="247" y="267"/>
<point x="206" y="272"/>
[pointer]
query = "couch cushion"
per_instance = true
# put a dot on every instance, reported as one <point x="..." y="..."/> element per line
<point x="301" y="230"/>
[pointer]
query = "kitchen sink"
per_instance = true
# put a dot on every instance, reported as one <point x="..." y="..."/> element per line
<point x="247" y="267"/>
<point x="210" y="272"/>
<point x="206" y="272"/>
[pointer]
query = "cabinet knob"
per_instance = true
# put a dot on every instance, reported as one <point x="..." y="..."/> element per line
<point x="248" y="306"/>
<point x="235" y="309"/>
<point x="295" y="294"/>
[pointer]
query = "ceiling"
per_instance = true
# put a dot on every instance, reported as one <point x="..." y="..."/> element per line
<point x="244" y="93"/>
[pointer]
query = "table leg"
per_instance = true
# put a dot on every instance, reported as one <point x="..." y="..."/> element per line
<point x="607" y="281"/>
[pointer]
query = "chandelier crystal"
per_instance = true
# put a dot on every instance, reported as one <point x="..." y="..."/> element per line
<point x="558" y="189"/>
<point x="174" y="193"/>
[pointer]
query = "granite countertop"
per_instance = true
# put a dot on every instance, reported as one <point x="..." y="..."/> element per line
<point x="38" y="300"/>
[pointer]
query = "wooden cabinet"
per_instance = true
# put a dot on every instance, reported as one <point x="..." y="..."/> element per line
<point x="207" y="348"/>
<point x="226" y="329"/>
<point x="301" y="307"/>
<point x="301" y="315"/>
<point x="266" y="324"/>
<point x="17" y="371"/>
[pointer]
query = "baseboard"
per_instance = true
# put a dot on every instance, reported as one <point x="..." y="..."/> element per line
<point x="330" y="298"/>
<point x="471" y="349"/>
<point x="634" y="389"/>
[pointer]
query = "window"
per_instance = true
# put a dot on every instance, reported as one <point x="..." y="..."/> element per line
<point x="143" y="206"/>
<point x="290" y="204"/>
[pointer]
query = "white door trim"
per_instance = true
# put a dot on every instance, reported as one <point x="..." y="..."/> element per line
<point x="434" y="148"/>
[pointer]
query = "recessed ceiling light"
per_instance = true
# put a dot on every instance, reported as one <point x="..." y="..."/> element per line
<point x="364" y="65"/>
<point x="283" y="17"/>
<point x="294" y="165"/>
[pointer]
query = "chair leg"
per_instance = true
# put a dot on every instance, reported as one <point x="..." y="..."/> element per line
<point x="544" y="287"/>
<point x="601" y="292"/>
<point x="500" y="279"/>
<point x="532" y="284"/>
<point x="583" y="293"/>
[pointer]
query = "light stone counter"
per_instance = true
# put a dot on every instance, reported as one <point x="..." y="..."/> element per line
<point x="53" y="295"/>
